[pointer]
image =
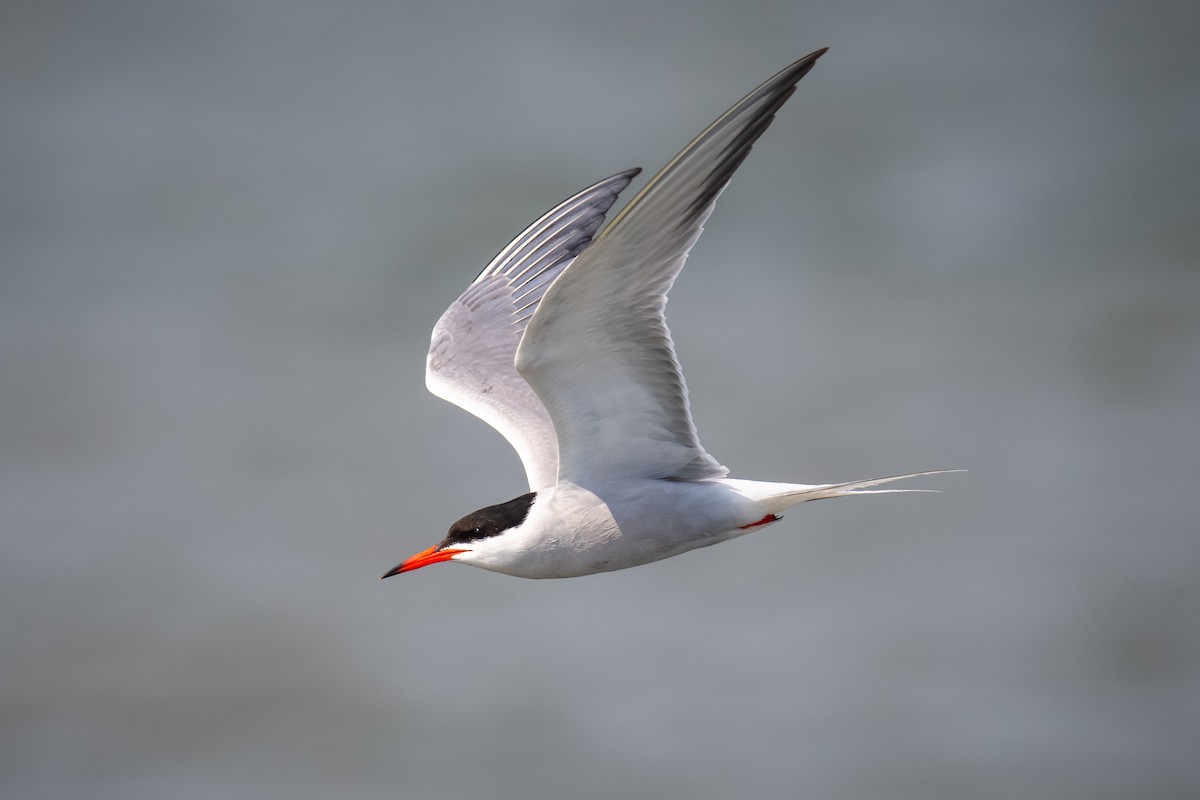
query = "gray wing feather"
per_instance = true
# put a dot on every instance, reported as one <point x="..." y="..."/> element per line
<point x="471" y="354"/>
<point x="598" y="352"/>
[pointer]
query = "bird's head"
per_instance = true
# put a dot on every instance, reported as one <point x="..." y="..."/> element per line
<point x="473" y="537"/>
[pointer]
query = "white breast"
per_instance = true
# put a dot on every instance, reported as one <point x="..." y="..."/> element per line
<point x="572" y="531"/>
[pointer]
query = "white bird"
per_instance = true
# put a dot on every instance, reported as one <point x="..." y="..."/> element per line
<point x="561" y="345"/>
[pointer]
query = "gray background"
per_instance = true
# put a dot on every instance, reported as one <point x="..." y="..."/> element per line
<point x="970" y="240"/>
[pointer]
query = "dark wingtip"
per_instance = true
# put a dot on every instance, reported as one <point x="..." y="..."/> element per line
<point x="618" y="181"/>
<point x="793" y="73"/>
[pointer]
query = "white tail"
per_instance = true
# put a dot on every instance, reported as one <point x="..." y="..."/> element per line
<point x="849" y="488"/>
<point x="777" y="497"/>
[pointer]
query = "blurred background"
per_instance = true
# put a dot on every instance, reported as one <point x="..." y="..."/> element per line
<point x="970" y="240"/>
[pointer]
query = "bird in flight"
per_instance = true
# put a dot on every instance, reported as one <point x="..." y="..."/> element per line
<point x="561" y="345"/>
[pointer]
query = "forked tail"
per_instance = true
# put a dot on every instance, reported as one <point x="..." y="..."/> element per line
<point x="773" y="498"/>
<point x="804" y="494"/>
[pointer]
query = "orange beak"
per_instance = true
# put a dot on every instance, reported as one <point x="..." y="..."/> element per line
<point x="423" y="559"/>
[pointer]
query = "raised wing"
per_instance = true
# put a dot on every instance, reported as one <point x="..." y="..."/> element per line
<point x="472" y="351"/>
<point x="598" y="352"/>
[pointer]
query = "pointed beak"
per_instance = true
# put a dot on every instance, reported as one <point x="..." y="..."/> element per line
<point x="423" y="559"/>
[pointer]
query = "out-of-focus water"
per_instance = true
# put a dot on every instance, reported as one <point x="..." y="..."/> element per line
<point x="970" y="240"/>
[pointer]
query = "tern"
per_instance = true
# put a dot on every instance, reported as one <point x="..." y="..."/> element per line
<point x="561" y="345"/>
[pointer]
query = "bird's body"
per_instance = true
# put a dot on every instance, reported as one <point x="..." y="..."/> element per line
<point x="562" y="346"/>
<point x="572" y="530"/>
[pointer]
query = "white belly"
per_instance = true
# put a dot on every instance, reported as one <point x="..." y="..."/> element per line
<point x="573" y="531"/>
